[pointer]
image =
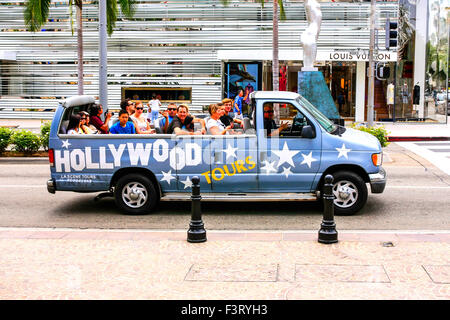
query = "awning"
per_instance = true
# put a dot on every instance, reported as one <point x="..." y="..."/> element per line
<point x="8" y="55"/>
<point x="322" y="55"/>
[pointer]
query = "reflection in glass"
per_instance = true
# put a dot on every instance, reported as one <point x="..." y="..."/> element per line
<point x="436" y="84"/>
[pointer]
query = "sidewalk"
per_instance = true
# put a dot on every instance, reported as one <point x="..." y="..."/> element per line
<point x="161" y="264"/>
<point x="417" y="131"/>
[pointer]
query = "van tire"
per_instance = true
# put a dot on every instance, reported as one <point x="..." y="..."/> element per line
<point x="135" y="194"/>
<point x="350" y="193"/>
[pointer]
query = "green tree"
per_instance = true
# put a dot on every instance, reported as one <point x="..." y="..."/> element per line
<point x="37" y="11"/>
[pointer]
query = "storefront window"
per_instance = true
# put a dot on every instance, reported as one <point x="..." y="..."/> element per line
<point x="165" y="95"/>
<point x="245" y="76"/>
<point x="436" y="88"/>
<point x="422" y="81"/>
<point x="340" y="78"/>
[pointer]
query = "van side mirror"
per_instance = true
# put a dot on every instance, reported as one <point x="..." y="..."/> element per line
<point x="308" y="132"/>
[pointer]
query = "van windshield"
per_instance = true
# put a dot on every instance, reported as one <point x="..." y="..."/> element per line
<point x="326" y="123"/>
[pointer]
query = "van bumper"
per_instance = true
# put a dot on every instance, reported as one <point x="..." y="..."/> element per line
<point x="51" y="186"/>
<point x="378" y="181"/>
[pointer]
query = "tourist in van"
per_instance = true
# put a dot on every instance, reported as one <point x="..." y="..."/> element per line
<point x="139" y="118"/>
<point x="74" y="126"/>
<point x="168" y="117"/>
<point x="123" y="126"/>
<point x="215" y="126"/>
<point x="130" y="107"/>
<point x="229" y="117"/>
<point x="183" y="123"/>
<point x="96" y="112"/>
<point x="86" y="126"/>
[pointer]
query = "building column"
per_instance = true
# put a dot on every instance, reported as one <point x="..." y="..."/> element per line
<point x="360" y="95"/>
<point x="420" y="50"/>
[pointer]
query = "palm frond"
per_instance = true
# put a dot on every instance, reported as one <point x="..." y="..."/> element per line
<point x="36" y="14"/>
<point x="280" y="5"/>
<point x="111" y="15"/>
<point x="71" y="15"/>
<point x="282" y="12"/>
<point x="128" y="7"/>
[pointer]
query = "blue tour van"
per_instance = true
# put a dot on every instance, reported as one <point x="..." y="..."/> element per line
<point x="140" y="170"/>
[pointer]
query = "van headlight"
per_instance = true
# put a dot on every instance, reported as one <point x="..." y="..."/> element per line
<point x="377" y="159"/>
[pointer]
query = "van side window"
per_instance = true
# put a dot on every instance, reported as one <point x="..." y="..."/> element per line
<point x="291" y="120"/>
<point x="66" y="116"/>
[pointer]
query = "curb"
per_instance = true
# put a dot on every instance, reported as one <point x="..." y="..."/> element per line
<point x="387" y="237"/>
<point x="23" y="160"/>
<point x="415" y="138"/>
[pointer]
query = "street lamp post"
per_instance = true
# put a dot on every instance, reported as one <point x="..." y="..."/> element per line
<point x="103" y="56"/>
<point x="370" y="89"/>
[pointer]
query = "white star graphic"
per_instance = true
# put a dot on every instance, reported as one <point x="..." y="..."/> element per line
<point x="187" y="183"/>
<point x="343" y="151"/>
<point x="269" y="167"/>
<point x="230" y="151"/>
<point x="308" y="159"/>
<point x="285" y="155"/>
<point x="66" y="144"/>
<point x="287" y="171"/>
<point x="167" y="176"/>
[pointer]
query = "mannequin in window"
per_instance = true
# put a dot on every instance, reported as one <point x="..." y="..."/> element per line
<point x="405" y="97"/>
<point x="416" y="99"/>
<point x="390" y="98"/>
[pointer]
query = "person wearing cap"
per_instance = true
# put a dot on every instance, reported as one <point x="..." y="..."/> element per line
<point x="86" y="126"/>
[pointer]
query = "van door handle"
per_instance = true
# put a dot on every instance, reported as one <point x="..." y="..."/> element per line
<point x="262" y="156"/>
<point x="217" y="157"/>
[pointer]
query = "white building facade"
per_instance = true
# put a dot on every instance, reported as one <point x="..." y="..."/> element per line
<point x="201" y="51"/>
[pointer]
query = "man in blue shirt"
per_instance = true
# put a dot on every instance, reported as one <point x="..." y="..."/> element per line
<point x="168" y="117"/>
<point x="238" y="104"/>
<point x="123" y="126"/>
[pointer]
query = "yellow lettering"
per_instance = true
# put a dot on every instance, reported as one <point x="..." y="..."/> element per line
<point x="240" y="165"/>
<point x="222" y="174"/>
<point x="206" y="174"/>
<point x="250" y="162"/>
<point x="228" y="172"/>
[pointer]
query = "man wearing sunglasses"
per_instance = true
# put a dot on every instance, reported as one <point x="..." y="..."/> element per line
<point x="269" y="123"/>
<point x="168" y="115"/>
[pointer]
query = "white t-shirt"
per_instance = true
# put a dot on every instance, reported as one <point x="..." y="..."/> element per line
<point x="155" y="104"/>
<point x="141" y="122"/>
<point x="215" y="123"/>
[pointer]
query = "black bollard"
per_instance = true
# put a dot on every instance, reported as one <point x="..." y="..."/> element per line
<point x="327" y="232"/>
<point x="196" y="232"/>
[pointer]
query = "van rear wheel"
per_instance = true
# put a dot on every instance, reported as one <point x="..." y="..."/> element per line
<point x="135" y="194"/>
<point x="350" y="193"/>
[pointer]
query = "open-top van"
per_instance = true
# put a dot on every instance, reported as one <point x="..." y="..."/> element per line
<point x="140" y="170"/>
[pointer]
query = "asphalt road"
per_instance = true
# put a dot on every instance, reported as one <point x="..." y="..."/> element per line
<point x="417" y="197"/>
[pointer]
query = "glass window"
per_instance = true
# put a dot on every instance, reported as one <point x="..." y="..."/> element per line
<point x="326" y="123"/>
<point x="291" y="124"/>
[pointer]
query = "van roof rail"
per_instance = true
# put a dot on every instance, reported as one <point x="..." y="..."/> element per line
<point x="77" y="101"/>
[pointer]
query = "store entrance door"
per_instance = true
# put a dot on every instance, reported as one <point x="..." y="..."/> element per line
<point x="341" y="79"/>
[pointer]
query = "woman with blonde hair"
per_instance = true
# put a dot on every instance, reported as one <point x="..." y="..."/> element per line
<point x="214" y="125"/>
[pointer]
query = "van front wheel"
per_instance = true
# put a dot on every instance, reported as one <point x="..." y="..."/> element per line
<point x="350" y="192"/>
<point x="135" y="194"/>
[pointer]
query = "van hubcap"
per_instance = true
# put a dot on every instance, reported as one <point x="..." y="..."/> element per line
<point x="134" y="194"/>
<point x="346" y="194"/>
